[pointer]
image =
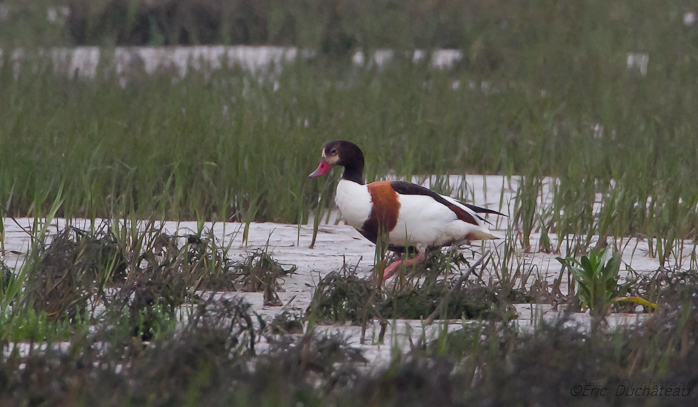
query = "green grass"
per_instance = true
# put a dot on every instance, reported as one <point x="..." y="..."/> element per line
<point x="154" y="343"/>
<point x="543" y="90"/>
<point x="213" y="357"/>
<point x="230" y="146"/>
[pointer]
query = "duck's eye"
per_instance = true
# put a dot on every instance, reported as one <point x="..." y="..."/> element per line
<point x="334" y="151"/>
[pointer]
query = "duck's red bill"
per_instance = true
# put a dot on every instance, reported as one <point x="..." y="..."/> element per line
<point x="321" y="169"/>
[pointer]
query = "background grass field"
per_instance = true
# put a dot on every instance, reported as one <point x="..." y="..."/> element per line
<point x="601" y="96"/>
<point x="544" y="89"/>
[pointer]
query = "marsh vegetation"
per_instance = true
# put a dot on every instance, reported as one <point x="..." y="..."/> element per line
<point x="586" y="108"/>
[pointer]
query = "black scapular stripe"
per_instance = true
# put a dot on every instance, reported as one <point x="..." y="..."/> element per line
<point x="409" y="188"/>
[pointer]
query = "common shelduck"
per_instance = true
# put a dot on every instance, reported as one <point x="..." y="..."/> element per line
<point x="415" y="218"/>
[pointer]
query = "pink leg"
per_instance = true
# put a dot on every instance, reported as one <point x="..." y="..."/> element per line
<point x="393" y="268"/>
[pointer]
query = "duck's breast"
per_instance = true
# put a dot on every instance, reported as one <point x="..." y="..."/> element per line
<point x="354" y="201"/>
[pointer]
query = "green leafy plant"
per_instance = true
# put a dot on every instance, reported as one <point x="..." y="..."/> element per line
<point x="597" y="279"/>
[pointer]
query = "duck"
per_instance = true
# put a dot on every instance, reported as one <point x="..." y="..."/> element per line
<point x="416" y="219"/>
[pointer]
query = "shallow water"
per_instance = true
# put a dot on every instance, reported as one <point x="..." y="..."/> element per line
<point x="289" y="244"/>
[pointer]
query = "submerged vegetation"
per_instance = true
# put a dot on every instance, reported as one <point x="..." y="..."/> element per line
<point x="586" y="106"/>
<point x="147" y="346"/>
<point x="342" y="296"/>
<point x="136" y="270"/>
